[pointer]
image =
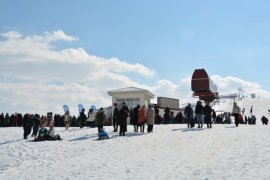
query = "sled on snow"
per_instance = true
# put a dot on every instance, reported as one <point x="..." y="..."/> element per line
<point x="103" y="135"/>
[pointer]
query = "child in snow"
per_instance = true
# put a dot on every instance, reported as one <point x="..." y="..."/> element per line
<point x="102" y="134"/>
<point x="42" y="133"/>
<point x="51" y="134"/>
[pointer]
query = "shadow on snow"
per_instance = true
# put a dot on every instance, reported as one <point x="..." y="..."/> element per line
<point x="84" y="138"/>
<point x="9" y="142"/>
<point x="189" y="129"/>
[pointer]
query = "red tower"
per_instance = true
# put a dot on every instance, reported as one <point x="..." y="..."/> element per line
<point x="202" y="86"/>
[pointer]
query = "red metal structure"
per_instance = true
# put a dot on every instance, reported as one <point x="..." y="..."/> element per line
<point x="203" y="86"/>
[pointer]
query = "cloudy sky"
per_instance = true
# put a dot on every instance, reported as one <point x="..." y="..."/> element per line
<point x="66" y="52"/>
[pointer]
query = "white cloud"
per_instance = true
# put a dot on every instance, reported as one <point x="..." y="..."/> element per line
<point x="12" y="35"/>
<point x="56" y="36"/>
<point x="117" y="65"/>
<point x="37" y="49"/>
<point x="35" y="77"/>
<point x="229" y="84"/>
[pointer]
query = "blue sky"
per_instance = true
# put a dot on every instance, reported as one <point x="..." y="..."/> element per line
<point x="172" y="38"/>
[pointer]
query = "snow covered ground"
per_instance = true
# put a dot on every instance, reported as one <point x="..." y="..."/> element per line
<point x="170" y="152"/>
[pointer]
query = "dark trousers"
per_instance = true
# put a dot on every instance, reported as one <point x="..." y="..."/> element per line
<point x="150" y="128"/>
<point x="208" y="121"/>
<point x="27" y="131"/>
<point x="236" y="119"/>
<point x="115" y="125"/>
<point x="35" y="131"/>
<point x="141" y="127"/>
<point x="82" y="124"/>
<point x="99" y="128"/>
<point x="122" y="131"/>
<point x="190" y="122"/>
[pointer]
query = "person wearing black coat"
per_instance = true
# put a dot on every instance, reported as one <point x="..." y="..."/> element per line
<point x="135" y="117"/>
<point x="167" y="116"/>
<point x="189" y="116"/>
<point x="207" y="115"/>
<point x="82" y="118"/>
<point x="157" y="116"/>
<point x="123" y="115"/>
<point x="199" y="114"/>
<point x="115" y="117"/>
<point x="36" y="125"/>
<point x="27" y="125"/>
<point x="2" y="118"/>
<point x="179" y="118"/>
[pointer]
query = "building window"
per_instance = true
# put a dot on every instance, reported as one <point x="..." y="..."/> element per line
<point x="120" y="100"/>
<point x="131" y="102"/>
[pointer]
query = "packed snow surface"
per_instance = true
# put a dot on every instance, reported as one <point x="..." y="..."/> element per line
<point x="170" y="152"/>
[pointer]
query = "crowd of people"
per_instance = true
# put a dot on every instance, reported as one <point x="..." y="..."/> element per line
<point x="139" y="117"/>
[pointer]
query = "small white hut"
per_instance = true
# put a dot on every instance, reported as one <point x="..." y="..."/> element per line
<point x="132" y="96"/>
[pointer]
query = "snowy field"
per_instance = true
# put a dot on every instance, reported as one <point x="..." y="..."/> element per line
<point x="170" y="152"/>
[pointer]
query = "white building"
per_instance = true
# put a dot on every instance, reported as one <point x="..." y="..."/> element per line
<point x="132" y="96"/>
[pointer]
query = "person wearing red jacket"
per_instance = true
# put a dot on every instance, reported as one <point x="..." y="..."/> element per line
<point x="142" y="118"/>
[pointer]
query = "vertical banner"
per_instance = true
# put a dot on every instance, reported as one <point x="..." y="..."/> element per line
<point x="65" y="107"/>
<point x="80" y="107"/>
<point x="94" y="108"/>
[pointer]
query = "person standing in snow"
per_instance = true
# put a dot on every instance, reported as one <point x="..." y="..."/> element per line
<point x="189" y="116"/>
<point x="167" y="116"/>
<point x="115" y="117"/>
<point x="36" y="125"/>
<point x="82" y="118"/>
<point x="135" y="117"/>
<point x="150" y="116"/>
<point x="243" y="111"/>
<point x="179" y="117"/>
<point x="236" y="113"/>
<point x="157" y="117"/>
<point x="100" y="119"/>
<point x="199" y="114"/>
<point x="214" y="115"/>
<point x="67" y="120"/>
<point x="91" y="118"/>
<point x="142" y="118"/>
<point x="2" y="117"/>
<point x="207" y="115"/>
<point x="27" y="125"/>
<point x="123" y="115"/>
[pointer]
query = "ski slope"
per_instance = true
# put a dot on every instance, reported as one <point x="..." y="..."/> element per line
<point x="260" y="107"/>
<point x="170" y="152"/>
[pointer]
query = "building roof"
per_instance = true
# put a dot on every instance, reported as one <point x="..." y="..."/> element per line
<point x="130" y="90"/>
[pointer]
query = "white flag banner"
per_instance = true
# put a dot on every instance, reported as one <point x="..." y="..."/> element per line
<point x="80" y="107"/>
<point x="65" y="107"/>
<point x="94" y="108"/>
